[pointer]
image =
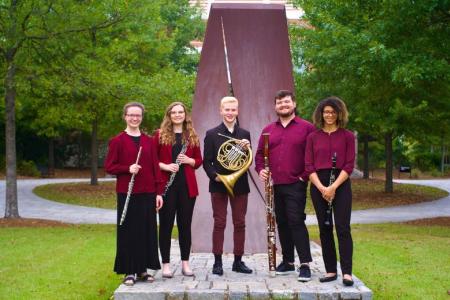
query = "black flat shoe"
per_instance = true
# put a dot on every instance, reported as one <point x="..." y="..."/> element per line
<point x="240" y="267"/>
<point x="328" y="278"/>
<point x="347" y="282"/>
<point x="217" y="269"/>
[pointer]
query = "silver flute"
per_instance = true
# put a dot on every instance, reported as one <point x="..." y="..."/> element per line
<point x="130" y="189"/>
<point x="172" y="176"/>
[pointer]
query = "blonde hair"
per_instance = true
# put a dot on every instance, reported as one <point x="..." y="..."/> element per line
<point x="228" y="99"/>
<point x="167" y="135"/>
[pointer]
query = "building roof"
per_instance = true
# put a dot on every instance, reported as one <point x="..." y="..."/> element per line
<point x="293" y="14"/>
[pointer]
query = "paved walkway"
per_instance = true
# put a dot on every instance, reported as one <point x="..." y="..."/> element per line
<point x="32" y="206"/>
<point x="232" y="285"/>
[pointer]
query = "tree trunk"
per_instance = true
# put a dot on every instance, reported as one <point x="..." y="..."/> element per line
<point x="51" y="157"/>
<point x="443" y="153"/>
<point x="366" y="156"/>
<point x="94" y="153"/>
<point x="388" y="185"/>
<point x="11" y="206"/>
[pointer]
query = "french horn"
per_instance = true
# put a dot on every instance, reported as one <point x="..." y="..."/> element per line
<point x="233" y="157"/>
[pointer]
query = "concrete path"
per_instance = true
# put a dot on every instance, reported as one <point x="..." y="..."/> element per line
<point x="32" y="206"/>
<point x="431" y="209"/>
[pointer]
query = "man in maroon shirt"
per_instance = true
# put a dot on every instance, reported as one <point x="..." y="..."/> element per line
<point x="287" y="143"/>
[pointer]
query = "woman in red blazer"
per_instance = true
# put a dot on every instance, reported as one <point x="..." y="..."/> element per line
<point x="137" y="242"/>
<point x="179" y="155"/>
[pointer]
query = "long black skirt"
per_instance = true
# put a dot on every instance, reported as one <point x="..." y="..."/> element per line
<point x="137" y="242"/>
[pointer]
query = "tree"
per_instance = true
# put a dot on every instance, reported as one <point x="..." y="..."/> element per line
<point x="388" y="59"/>
<point x="25" y="25"/>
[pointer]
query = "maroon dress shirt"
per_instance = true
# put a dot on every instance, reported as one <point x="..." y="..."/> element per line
<point x="321" y="146"/>
<point x="286" y="150"/>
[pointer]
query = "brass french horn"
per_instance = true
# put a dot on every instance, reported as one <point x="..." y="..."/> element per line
<point x="232" y="156"/>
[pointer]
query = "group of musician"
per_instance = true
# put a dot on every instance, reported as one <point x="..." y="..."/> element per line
<point x="164" y="182"/>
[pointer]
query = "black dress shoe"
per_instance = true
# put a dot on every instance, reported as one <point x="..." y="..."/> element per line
<point x="328" y="278"/>
<point x="347" y="282"/>
<point x="217" y="269"/>
<point x="240" y="267"/>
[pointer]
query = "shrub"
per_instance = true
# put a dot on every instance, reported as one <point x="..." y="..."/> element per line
<point x="27" y="168"/>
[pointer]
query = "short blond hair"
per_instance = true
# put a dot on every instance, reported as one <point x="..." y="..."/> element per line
<point x="228" y="99"/>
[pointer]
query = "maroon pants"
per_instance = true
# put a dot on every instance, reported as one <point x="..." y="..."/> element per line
<point x="238" y="211"/>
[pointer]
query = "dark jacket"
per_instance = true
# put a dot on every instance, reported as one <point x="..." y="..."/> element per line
<point x="212" y="167"/>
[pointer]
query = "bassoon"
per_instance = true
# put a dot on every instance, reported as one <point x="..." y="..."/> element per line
<point x="270" y="214"/>
<point x="329" y="210"/>
<point x="130" y="189"/>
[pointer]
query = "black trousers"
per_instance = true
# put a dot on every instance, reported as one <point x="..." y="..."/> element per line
<point x="176" y="202"/>
<point x="342" y="209"/>
<point x="290" y="201"/>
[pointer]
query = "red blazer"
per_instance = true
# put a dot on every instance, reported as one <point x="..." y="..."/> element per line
<point x="122" y="153"/>
<point x="165" y="156"/>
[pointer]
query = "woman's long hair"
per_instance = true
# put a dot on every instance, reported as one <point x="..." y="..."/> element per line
<point x="166" y="134"/>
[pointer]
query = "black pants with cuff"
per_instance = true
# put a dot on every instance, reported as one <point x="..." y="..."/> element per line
<point x="342" y="209"/>
<point x="176" y="202"/>
<point x="290" y="201"/>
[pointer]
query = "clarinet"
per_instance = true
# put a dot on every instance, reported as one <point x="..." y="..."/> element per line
<point x="130" y="189"/>
<point x="270" y="215"/>
<point x="329" y="210"/>
<point x="172" y="176"/>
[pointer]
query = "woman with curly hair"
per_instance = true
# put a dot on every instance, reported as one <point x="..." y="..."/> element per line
<point x="330" y="153"/>
<point x="179" y="154"/>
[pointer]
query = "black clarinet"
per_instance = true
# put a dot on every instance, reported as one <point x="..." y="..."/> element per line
<point x="329" y="210"/>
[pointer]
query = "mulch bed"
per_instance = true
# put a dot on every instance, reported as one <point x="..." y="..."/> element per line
<point x="440" y="221"/>
<point x="25" y="222"/>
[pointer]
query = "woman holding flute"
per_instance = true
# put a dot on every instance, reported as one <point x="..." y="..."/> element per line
<point x="137" y="243"/>
<point x="178" y="149"/>
<point x="330" y="152"/>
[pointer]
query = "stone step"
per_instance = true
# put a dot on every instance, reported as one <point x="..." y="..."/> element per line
<point x="259" y="285"/>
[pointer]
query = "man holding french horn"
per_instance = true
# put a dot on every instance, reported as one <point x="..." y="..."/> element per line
<point x="287" y="141"/>
<point x="226" y="160"/>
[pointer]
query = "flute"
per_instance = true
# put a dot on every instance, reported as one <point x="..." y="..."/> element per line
<point x="130" y="189"/>
<point x="172" y="176"/>
<point x="332" y="179"/>
<point x="270" y="215"/>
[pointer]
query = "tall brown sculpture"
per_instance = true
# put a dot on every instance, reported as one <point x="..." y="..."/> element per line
<point x="260" y="64"/>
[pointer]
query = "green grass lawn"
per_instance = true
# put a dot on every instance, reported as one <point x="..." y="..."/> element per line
<point x="75" y="262"/>
<point x="366" y="194"/>
<point x="400" y="261"/>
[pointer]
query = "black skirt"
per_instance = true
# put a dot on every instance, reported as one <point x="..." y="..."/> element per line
<point x="137" y="242"/>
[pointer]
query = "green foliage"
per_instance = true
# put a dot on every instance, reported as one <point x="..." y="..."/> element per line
<point x="27" y="168"/>
<point x="79" y="62"/>
<point x="389" y="60"/>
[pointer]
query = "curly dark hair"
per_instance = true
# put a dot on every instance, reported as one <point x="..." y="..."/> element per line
<point x="339" y="107"/>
